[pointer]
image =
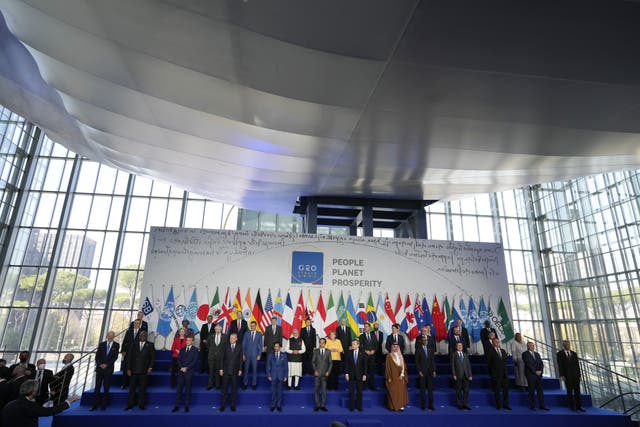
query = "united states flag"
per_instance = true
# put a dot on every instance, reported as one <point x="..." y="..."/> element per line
<point x="268" y="312"/>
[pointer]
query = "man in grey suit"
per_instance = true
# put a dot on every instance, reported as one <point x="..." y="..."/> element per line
<point x="217" y="343"/>
<point x="272" y="335"/>
<point x="321" y="363"/>
<point x="461" y="370"/>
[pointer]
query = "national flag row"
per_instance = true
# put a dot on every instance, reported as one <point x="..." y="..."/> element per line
<point x="410" y="314"/>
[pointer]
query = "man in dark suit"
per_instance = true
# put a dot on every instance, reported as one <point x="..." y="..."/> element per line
<point x="24" y="411"/>
<point x="206" y="329"/>
<point x="272" y="335"/>
<point x="140" y="359"/>
<point x="343" y="334"/>
<point x="484" y="336"/>
<point x="395" y="338"/>
<point x="132" y="334"/>
<point x="4" y="370"/>
<point x="322" y="363"/>
<point x="379" y="337"/>
<point x="308" y="335"/>
<point x="187" y="363"/>
<point x="497" y="362"/>
<point x="533" y="369"/>
<point x="277" y="373"/>
<point x="569" y="369"/>
<point x="217" y="343"/>
<point x="464" y="333"/>
<point x="426" y="367"/>
<point x="356" y="374"/>
<point x="238" y="326"/>
<point x="144" y="326"/>
<point x="230" y="370"/>
<point x="368" y="344"/>
<point x="252" y="351"/>
<point x="461" y="371"/>
<point x="61" y="381"/>
<point x="457" y="337"/>
<point x="44" y="378"/>
<point x="23" y="360"/>
<point x="12" y="390"/>
<point x="106" y="356"/>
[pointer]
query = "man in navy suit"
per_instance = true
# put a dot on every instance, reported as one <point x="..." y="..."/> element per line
<point x="533" y="369"/>
<point x="356" y="374"/>
<point x="395" y="337"/>
<point x="238" y="326"/>
<point x="497" y="362"/>
<point x="140" y="358"/>
<point x="187" y="362"/>
<point x="277" y="373"/>
<point x="426" y="367"/>
<point x="44" y="378"/>
<point x="230" y="370"/>
<point x="252" y="349"/>
<point x="106" y="356"/>
<point x="569" y="369"/>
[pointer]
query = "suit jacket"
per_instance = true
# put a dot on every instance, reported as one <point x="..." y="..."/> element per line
<point x="368" y="344"/>
<point x="24" y="413"/>
<point x="391" y="340"/>
<point x="461" y="368"/>
<point x="431" y="342"/>
<point x="205" y="330"/>
<point x="140" y="361"/>
<point x="188" y="359"/>
<point x="453" y="342"/>
<point x="109" y="359"/>
<point x="144" y="326"/>
<point x="356" y="368"/>
<point x="43" y="393"/>
<point x="13" y="388"/>
<point x="215" y="351"/>
<point x="321" y="364"/>
<point x="277" y="368"/>
<point x="309" y="338"/>
<point x="532" y="363"/>
<point x="30" y="366"/>
<point x="271" y="338"/>
<point x="379" y="343"/>
<point x="231" y="360"/>
<point x="569" y="367"/>
<point x="344" y="337"/>
<point x="464" y="333"/>
<point x="497" y="363"/>
<point x="233" y="328"/>
<point x="130" y="338"/>
<point x="252" y="348"/>
<point x="425" y="363"/>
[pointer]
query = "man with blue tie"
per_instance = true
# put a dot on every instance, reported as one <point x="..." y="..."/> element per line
<point x="187" y="362"/>
<point x="426" y="367"/>
<point x="461" y="371"/>
<point x="356" y="374"/>
<point x="277" y="373"/>
<point x="533" y="369"/>
<point x="106" y="356"/>
<point x="252" y="347"/>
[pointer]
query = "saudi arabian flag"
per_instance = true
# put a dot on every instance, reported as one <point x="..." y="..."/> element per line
<point x="447" y="313"/>
<point x="507" y="328"/>
<point x="340" y="310"/>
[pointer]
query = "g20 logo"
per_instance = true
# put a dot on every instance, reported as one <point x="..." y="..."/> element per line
<point x="307" y="267"/>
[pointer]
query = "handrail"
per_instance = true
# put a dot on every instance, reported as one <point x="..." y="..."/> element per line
<point x="618" y="397"/>
<point x="554" y="349"/>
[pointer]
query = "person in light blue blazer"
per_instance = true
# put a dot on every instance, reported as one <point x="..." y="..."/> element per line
<point x="252" y="347"/>
<point x="277" y="373"/>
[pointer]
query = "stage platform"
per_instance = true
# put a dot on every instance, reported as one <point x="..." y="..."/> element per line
<point x="253" y="405"/>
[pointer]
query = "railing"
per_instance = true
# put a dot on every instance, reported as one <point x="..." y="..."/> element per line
<point x="607" y="388"/>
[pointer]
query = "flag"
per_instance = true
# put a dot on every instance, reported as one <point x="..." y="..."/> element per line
<point x="409" y="322"/>
<point x="248" y="301"/>
<point x="164" y="320"/>
<point x="505" y="321"/>
<point x="438" y="320"/>
<point x="215" y="301"/>
<point x="267" y="313"/>
<point x="400" y="315"/>
<point x="428" y="320"/>
<point x="278" y="308"/>
<point x="483" y="313"/>
<point x="418" y="313"/>
<point x="383" y="318"/>
<point x="352" y="321"/>
<point x="257" y="312"/>
<point x="341" y="307"/>
<point x="322" y="311"/>
<point x="464" y="314"/>
<point x="287" y="318"/>
<point x="192" y="312"/>
<point x="391" y="315"/>
<point x="361" y="312"/>
<point x="331" y="321"/>
<point x="454" y="317"/>
<point x="371" y="311"/>
<point x="321" y="315"/>
<point x="309" y="310"/>
<point x="147" y="307"/>
<point x="474" y="322"/>
<point x="398" y="307"/>
<point x="298" y="318"/>
<point x="224" y="314"/>
<point x="447" y="313"/>
<point x="237" y="305"/>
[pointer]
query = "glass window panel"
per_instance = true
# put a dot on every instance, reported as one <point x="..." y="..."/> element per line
<point x="157" y="212"/>
<point x="99" y="212"/>
<point x="485" y="225"/>
<point x="106" y="180"/>
<point x="131" y="249"/>
<point x="138" y="214"/>
<point x="108" y="250"/>
<point x="45" y="203"/>
<point x="174" y="212"/>
<point x="142" y="186"/>
<point x="160" y="189"/>
<point x="195" y="213"/>
<point x="115" y="214"/>
<point x="212" y="215"/>
<point x="80" y="211"/>
<point x="438" y="227"/>
<point x="88" y="176"/>
<point x="54" y="329"/>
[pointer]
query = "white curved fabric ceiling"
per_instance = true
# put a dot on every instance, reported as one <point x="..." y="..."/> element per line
<point x="257" y="102"/>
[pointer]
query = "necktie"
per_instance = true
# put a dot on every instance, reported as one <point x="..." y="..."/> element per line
<point x="273" y="328"/>
<point x="278" y="356"/>
<point x="499" y="352"/>
<point x="253" y="336"/>
<point x="355" y="356"/>
<point x="376" y="335"/>
<point x="233" y="347"/>
<point x="457" y="338"/>
<point x="368" y="337"/>
<point x="460" y="355"/>
<point x="395" y="338"/>
<point x="568" y="355"/>
<point x="108" y="348"/>
<point x="322" y="352"/>
<point x="425" y="349"/>
<point x="141" y="345"/>
<point x="188" y="348"/>
<point x="217" y="339"/>
<point x="308" y="330"/>
<point x="135" y="333"/>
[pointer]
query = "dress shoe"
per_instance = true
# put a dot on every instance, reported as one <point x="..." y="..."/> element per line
<point x="402" y="409"/>
<point x="222" y="409"/>
<point x="506" y="407"/>
<point x="466" y="407"/>
<point x="175" y="409"/>
<point x="253" y="387"/>
<point x="423" y="407"/>
<point x="431" y="408"/>
<point x="141" y="407"/>
<point x="544" y="408"/>
<point x="373" y="388"/>
<point x="93" y="408"/>
<point x="359" y="409"/>
<point x="533" y="408"/>
<point x="209" y="387"/>
<point x="350" y="409"/>
<point x="186" y="409"/>
<point x="279" y="408"/>
<point x="297" y="387"/>
<point x="581" y="409"/>
<point x="103" y="407"/>
<point x="272" y="409"/>
<point x="316" y="409"/>
<point x="324" y="408"/>
<point x="128" y="408"/>
<point x="461" y="407"/>
<point x="233" y="408"/>
<point x="244" y="387"/>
